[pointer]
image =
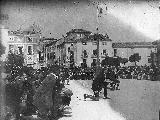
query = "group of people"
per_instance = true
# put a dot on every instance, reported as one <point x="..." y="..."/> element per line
<point x="106" y="78"/>
<point x="139" y="72"/>
<point x="127" y="72"/>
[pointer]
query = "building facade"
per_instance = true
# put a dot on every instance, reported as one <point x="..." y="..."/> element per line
<point x="48" y="51"/>
<point x="26" y="43"/>
<point x="144" y="49"/>
<point x="80" y="47"/>
<point x="157" y="44"/>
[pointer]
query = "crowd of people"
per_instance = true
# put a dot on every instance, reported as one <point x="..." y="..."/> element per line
<point x="128" y="72"/>
<point x="108" y="77"/>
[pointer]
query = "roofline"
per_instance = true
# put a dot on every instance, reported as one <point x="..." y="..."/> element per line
<point x="85" y="31"/>
<point x="133" y="45"/>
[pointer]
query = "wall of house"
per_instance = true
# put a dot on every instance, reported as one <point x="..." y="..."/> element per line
<point x="143" y="52"/>
<point x="89" y="47"/>
<point x="22" y="41"/>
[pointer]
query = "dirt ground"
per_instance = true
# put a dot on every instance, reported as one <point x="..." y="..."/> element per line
<point x="136" y="99"/>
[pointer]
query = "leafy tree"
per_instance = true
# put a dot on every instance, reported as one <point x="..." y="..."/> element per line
<point x="116" y="61"/>
<point x="135" y="58"/>
<point x="111" y="61"/>
<point x="14" y="65"/>
<point x="105" y="61"/>
<point x="123" y="60"/>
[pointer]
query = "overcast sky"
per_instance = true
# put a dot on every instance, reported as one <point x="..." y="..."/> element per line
<point x="122" y="21"/>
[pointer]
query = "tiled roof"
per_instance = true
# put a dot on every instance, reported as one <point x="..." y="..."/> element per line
<point x="86" y="39"/>
<point x="78" y="31"/>
<point x="48" y="39"/>
<point x="132" y="44"/>
<point x="60" y="41"/>
<point x="50" y="44"/>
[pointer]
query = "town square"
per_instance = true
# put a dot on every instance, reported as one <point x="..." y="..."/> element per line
<point x="80" y="60"/>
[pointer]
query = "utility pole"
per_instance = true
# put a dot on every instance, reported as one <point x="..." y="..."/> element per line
<point x="98" y="60"/>
<point x="99" y="11"/>
<point x="97" y="35"/>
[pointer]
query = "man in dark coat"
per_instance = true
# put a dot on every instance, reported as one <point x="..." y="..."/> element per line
<point x="98" y="82"/>
<point x="106" y="82"/>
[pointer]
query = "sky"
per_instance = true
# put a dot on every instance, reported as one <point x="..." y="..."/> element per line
<point x="123" y="20"/>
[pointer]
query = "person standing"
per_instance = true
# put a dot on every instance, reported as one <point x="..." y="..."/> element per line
<point x="106" y="82"/>
<point x="98" y="82"/>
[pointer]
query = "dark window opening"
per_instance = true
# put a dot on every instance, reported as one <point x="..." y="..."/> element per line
<point x="104" y="52"/>
<point x="30" y="50"/>
<point x="95" y="52"/>
<point x="20" y="50"/>
<point x="115" y="52"/>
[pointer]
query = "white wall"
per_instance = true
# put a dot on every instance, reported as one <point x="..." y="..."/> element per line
<point x="127" y="52"/>
<point x="89" y="48"/>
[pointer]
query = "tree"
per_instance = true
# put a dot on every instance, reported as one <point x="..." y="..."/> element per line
<point x="135" y="58"/>
<point x="14" y="68"/>
<point x="14" y="65"/>
<point x="105" y="61"/>
<point x="123" y="60"/>
<point x="111" y="61"/>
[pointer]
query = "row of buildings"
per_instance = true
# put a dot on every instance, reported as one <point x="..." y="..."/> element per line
<point x="78" y="47"/>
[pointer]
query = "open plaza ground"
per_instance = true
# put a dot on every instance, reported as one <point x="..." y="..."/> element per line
<point x="136" y="100"/>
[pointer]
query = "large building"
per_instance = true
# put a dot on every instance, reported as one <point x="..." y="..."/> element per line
<point x="144" y="49"/>
<point x="79" y="47"/>
<point x="157" y="44"/>
<point x="26" y="42"/>
<point x="47" y="51"/>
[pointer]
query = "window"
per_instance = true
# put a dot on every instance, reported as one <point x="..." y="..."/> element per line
<point x="69" y="49"/>
<point x="48" y="56"/>
<point x="115" y="52"/>
<point x="30" y="39"/>
<point x="104" y="52"/>
<point x="94" y="60"/>
<point x="93" y="64"/>
<point x="20" y="49"/>
<point x="95" y="52"/>
<point x="84" y="60"/>
<point x="79" y="35"/>
<point x="104" y="43"/>
<point x="52" y="55"/>
<point x="11" y="38"/>
<point x="15" y="38"/>
<point x="149" y="60"/>
<point x="11" y="48"/>
<point x="84" y="53"/>
<point x="30" y="50"/>
<point x="41" y="57"/>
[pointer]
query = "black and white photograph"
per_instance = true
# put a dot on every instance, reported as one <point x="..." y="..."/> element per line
<point x="80" y="60"/>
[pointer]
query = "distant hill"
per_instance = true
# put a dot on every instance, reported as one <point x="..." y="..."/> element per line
<point x="118" y="31"/>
